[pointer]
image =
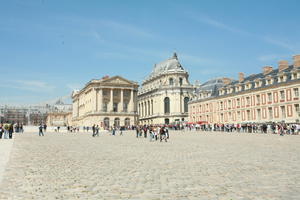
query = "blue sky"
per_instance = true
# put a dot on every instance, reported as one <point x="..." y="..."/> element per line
<point x="48" y="48"/>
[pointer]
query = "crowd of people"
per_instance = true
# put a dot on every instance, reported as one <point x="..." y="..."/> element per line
<point x="155" y="132"/>
<point x="274" y="128"/>
<point x="7" y="130"/>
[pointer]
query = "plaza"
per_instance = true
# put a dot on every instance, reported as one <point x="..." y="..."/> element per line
<point x="191" y="165"/>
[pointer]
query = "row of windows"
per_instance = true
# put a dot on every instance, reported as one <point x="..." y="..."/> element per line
<point x="270" y="114"/>
<point x="116" y="122"/>
<point x="258" y="83"/>
<point x="146" y="108"/>
<point x="258" y="100"/>
<point x="171" y="81"/>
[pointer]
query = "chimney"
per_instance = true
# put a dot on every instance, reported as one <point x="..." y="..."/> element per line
<point x="267" y="69"/>
<point x="241" y="76"/>
<point x="226" y="80"/>
<point x="282" y="65"/>
<point x="296" y="59"/>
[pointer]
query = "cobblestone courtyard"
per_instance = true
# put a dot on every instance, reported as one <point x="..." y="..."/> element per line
<point x="189" y="166"/>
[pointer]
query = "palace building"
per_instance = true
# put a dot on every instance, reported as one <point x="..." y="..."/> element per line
<point x="106" y="102"/>
<point x="164" y="95"/>
<point x="269" y="96"/>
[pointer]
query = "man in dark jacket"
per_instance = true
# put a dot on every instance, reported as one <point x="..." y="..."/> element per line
<point x="10" y="130"/>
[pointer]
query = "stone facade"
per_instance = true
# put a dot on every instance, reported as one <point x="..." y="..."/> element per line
<point x="106" y="102"/>
<point x="164" y="94"/>
<point x="270" y="96"/>
<point x="59" y="119"/>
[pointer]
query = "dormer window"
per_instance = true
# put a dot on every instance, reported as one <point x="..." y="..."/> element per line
<point x="295" y="75"/>
<point x="238" y="88"/>
<point x="248" y="86"/>
<point x="258" y="84"/>
<point x="280" y="79"/>
<point x="269" y="81"/>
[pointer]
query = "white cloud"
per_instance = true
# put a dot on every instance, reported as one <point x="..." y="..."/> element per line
<point x="220" y="25"/>
<point x="279" y="43"/>
<point x="29" y="85"/>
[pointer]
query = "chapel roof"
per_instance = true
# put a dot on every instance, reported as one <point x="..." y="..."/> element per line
<point x="170" y="65"/>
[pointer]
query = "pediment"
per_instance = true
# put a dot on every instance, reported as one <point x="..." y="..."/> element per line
<point x="117" y="80"/>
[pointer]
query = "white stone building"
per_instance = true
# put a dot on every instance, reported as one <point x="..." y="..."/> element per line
<point x="163" y="96"/>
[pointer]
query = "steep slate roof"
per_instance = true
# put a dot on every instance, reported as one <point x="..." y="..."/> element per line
<point x="215" y="84"/>
<point x="170" y="65"/>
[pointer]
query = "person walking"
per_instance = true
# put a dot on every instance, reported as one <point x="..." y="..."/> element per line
<point x="97" y="130"/>
<point x="11" y="130"/>
<point x="137" y="131"/>
<point x="6" y="127"/>
<point x="1" y="130"/>
<point x="41" y="130"/>
<point x="94" y="130"/>
<point x="45" y="128"/>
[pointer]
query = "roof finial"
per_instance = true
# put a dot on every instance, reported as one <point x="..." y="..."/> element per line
<point x="175" y="55"/>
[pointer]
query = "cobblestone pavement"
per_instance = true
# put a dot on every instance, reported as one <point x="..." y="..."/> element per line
<point x="5" y="149"/>
<point x="189" y="166"/>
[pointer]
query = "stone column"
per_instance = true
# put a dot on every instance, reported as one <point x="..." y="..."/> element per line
<point x="100" y="104"/>
<point x="96" y="100"/>
<point x="110" y="106"/>
<point x="131" y="102"/>
<point x="120" y="106"/>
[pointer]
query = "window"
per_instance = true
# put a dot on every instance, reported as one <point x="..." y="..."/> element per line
<point x="180" y="81"/>
<point x="282" y="111"/>
<point x="125" y="107"/>
<point x="297" y="109"/>
<point x="106" y="122"/>
<point x="248" y="100"/>
<point x="167" y="105"/>
<point x="257" y="84"/>
<point x="185" y="103"/>
<point x="229" y="104"/>
<point x="258" y="99"/>
<point x="248" y="115"/>
<point x="115" y="107"/>
<point x="270" y="97"/>
<point x="238" y="102"/>
<point x="269" y="81"/>
<point x="282" y="96"/>
<point x="221" y="105"/>
<point x="127" y="122"/>
<point x="171" y="81"/>
<point x="296" y="92"/>
<point x="104" y="108"/>
<point x="117" y="122"/>
<point x="270" y="112"/>
<point x="258" y="114"/>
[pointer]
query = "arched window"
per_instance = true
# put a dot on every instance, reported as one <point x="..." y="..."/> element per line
<point x="180" y="81"/>
<point x="185" y="103"/>
<point x="171" y="81"/>
<point x="167" y="105"/>
<point x="106" y="122"/>
<point x="117" y="122"/>
<point x="127" y="122"/>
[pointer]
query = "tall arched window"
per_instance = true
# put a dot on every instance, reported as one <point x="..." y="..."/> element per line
<point x="106" y="122"/>
<point x="117" y="122"/>
<point x="167" y="105"/>
<point x="127" y="122"/>
<point x="180" y="81"/>
<point x="185" y="103"/>
<point x="171" y="81"/>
